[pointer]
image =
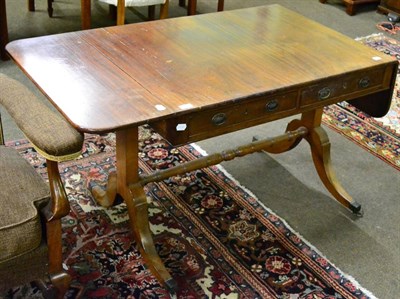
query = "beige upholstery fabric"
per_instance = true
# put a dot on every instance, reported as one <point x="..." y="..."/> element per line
<point x="21" y="190"/>
<point x="45" y="128"/>
<point x="24" y="268"/>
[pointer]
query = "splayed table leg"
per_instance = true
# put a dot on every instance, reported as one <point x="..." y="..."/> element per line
<point x="127" y="161"/>
<point x="320" y="149"/>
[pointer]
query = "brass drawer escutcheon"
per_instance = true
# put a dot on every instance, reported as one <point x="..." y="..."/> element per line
<point x="272" y="105"/>
<point x="324" y="93"/>
<point x="219" y="119"/>
<point x="364" y="82"/>
<point x="347" y="86"/>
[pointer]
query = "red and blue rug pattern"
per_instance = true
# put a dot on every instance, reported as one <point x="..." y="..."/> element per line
<point x="215" y="238"/>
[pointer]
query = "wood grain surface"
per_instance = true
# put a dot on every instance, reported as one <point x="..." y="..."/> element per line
<point x="116" y="77"/>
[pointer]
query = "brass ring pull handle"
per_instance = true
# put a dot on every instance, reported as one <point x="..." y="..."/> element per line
<point x="364" y="82"/>
<point x="219" y="119"/>
<point x="272" y="105"/>
<point x="324" y="93"/>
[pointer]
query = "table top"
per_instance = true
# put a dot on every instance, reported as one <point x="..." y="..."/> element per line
<point x="112" y="78"/>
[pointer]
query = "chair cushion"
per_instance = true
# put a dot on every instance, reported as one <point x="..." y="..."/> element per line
<point x="135" y="3"/>
<point x="47" y="129"/>
<point x="22" y="190"/>
<point x="23" y="268"/>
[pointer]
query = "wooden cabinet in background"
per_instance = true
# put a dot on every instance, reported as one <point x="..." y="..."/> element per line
<point x="351" y="4"/>
<point x="390" y="6"/>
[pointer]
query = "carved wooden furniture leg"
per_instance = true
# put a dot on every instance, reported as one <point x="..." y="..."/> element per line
<point x="350" y="9"/>
<point x="164" y="10"/>
<point x="58" y="207"/>
<point x="129" y="184"/>
<point x="191" y="9"/>
<point x="31" y="5"/>
<point x="192" y="4"/>
<point x="151" y="11"/>
<point x="86" y="14"/>
<point x="121" y="12"/>
<point x="3" y="30"/>
<point x="320" y="148"/>
<point x="128" y="174"/>
<point x="220" y="5"/>
<point x="50" y="8"/>
<point x="135" y="199"/>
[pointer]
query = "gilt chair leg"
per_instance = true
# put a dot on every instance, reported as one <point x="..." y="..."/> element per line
<point x="350" y="9"/>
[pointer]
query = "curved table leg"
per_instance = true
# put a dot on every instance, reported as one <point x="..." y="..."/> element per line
<point x="135" y="199"/>
<point x="320" y="148"/>
<point x="138" y="214"/>
<point x="57" y="208"/>
<point x="128" y="174"/>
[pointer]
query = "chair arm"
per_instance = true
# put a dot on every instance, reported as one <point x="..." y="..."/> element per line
<point x="49" y="132"/>
<point x="56" y="140"/>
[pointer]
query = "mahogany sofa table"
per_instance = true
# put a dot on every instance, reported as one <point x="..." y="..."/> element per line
<point x="197" y="77"/>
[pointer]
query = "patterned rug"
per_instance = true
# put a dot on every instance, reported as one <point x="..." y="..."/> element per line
<point x="379" y="136"/>
<point x="216" y="239"/>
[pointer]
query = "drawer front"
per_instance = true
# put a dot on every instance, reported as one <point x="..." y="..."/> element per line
<point x="218" y="119"/>
<point x="203" y="124"/>
<point x="342" y="86"/>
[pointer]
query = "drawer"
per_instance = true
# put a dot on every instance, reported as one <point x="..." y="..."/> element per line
<point x="216" y="119"/>
<point x="202" y="124"/>
<point x="342" y="86"/>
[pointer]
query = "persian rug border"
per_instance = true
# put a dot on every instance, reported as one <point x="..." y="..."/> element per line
<point x="295" y="232"/>
<point x="358" y="136"/>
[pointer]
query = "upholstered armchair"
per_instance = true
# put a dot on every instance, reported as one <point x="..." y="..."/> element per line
<point x="121" y="6"/>
<point x="30" y="209"/>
